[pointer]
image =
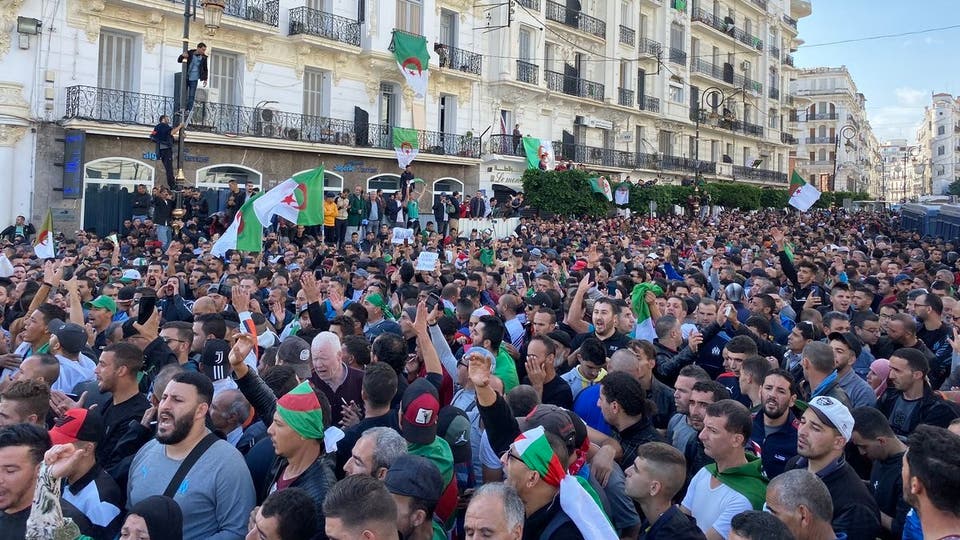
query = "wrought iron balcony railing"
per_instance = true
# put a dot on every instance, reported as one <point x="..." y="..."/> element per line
<point x="677" y="163"/>
<point x="678" y="56"/>
<point x="700" y="65"/>
<point x="116" y="106"/>
<point x="628" y="36"/>
<point x="258" y="11"/>
<point x="762" y="175"/>
<point x="775" y="51"/>
<point x="791" y="22"/>
<point x="625" y="97"/>
<point x="506" y="145"/>
<point x="727" y="27"/>
<point x="592" y="155"/>
<point x="649" y="46"/>
<point x="822" y="116"/>
<point x="458" y="59"/>
<point x="527" y="72"/>
<point x="788" y="60"/>
<point x="787" y="138"/>
<point x="822" y="140"/>
<point x="576" y="19"/>
<point x="574" y="86"/>
<point x="740" y="126"/>
<point x="649" y="103"/>
<point x="313" y="22"/>
<point x="530" y="4"/>
<point x="774" y="93"/>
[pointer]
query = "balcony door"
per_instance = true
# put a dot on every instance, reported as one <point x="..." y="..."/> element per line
<point x="448" y="123"/>
<point x="448" y="28"/>
<point x="119" y="61"/>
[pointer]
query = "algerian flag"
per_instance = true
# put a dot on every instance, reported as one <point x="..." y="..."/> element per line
<point x="535" y="149"/>
<point x="407" y="144"/>
<point x="298" y="199"/>
<point x="802" y="194"/>
<point x="602" y="186"/>
<point x="244" y="234"/>
<point x="622" y="194"/>
<point x="412" y="57"/>
<point x="44" y="246"/>
<point x="644" y="328"/>
<point x="577" y="498"/>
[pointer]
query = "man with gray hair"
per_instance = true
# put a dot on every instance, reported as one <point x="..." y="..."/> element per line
<point x="342" y="385"/>
<point x="375" y="451"/>
<point x="802" y="502"/>
<point x="495" y="512"/>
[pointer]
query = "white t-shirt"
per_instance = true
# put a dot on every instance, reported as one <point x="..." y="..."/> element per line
<point x="73" y="372"/>
<point x="713" y="507"/>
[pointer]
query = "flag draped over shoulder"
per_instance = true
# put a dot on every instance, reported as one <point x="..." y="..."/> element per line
<point x="536" y="149"/>
<point x="644" y="328"/>
<point x="298" y="199"/>
<point x="412" y="57"/>
<point x="599" y="184"/>
<point x="244" y="234"/>
<point x="406" y="142"/>
<point x="44" y="246"/>
<point x="802" y="194"/>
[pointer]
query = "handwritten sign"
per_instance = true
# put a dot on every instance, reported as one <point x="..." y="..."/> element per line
<point x="400" y="234"/>
<point x="427" y="261"/>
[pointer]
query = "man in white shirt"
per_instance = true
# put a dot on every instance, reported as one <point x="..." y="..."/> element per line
<point x="66" y="340"/>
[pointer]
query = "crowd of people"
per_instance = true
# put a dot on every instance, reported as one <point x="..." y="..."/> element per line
<point x="763" y="375"/>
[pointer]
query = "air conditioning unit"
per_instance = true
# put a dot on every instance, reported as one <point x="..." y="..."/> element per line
<point x="208" y="95"/>
<point x="267" y="114"/>
<point x="292" y="134"/>
<point x="724" y="169"/>
<point x="745" y="65"/>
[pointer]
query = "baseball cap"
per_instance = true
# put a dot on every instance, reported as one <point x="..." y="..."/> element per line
<point x="536" y="253"/>
<point x="561" y="337"/>
<point x="295" y="352"/>
<point x="214" y="361"/>
<point x="360" y="272"/>
<point x="421" y="407"/>
<point x="454" y="427"/>
<point x="833" y="413"/>
<point x="71" y="336"/>
<point x="517" y="252"/>
<point x="102" y="302"/>
<point x="77" y="425"/>
<point x="902" y="277"/>
<point x="416" y="477"/>
<point x="130" y="275"/>
<point x="577" y="266"/>
<point x="653" y="256"/>
<point x="540" y="300"/>
<point x="849" y="339"/>
<point x="553" y="419"/>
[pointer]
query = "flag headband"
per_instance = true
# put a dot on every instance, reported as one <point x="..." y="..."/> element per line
<point x="300" y="409"/>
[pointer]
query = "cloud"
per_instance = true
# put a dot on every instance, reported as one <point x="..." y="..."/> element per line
<point x="911" y="97"/>
<point x="932" y="41"/>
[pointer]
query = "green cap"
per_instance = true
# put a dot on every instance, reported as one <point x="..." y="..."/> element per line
<point x="102" y="302"/>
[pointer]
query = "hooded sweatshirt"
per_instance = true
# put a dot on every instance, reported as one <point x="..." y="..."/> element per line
<point x="747" y="480"/>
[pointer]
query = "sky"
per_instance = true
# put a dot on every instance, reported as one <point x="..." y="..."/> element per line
<point x="897" y="75"/>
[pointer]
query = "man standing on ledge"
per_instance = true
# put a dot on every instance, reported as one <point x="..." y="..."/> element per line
<point x="196" y="70"/>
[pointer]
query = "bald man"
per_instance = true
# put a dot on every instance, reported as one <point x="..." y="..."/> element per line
<point x="204" y="305"/>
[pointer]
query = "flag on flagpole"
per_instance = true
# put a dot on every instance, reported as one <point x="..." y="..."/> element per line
<point x="537" y="149"/>
<point x="602" y="186"/>
<point x="644" y="328"/>
<point x="802" y="194"/>
<point x="412" y="57"/>
<point x="244" y="234"/>
<point x="407" y="144"/>
<point x="298" y="199"/>
<point x="44" y="246"/>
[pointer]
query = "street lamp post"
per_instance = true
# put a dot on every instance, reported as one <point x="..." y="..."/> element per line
<point x="846" y="133"/>
<point x="713" y="97"/>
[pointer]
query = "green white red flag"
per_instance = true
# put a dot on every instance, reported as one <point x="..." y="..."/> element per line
<point x="44" y="246"/>
<point x="298" y="199"/>
<point x="413" y="59"/>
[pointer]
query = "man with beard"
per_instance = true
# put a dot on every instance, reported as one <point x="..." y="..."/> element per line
<point x="117" y="374"/>
<point x="701" y="396"/>
<point x="216" y="493"/>
<point x="931" y="480"/>
<point x="775" y="426"/>
<point x="605" y="314"/>
<point x="935" y="334"/>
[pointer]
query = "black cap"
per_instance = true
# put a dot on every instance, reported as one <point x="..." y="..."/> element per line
<point x="214" y="360"/>
<point x="540" y="300"/>
<point x="416" y="477"/>
<point x="561" y="337"/>
<point x="851" y="340"/>
<point x="454" y="426"/>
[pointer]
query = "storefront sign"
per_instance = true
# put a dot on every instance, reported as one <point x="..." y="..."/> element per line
<point x="74" y="145"/>
<point x="355" y="166"/>
<point x="152" y="156"/>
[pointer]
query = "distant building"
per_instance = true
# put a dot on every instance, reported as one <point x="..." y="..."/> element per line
<point x="939" y="145"/>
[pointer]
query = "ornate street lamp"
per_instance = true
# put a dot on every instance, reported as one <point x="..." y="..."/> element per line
<point x="212" y="13"/>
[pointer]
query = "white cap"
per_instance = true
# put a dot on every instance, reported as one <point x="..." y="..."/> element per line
<point x="131" y="274"/>
<point x="834" y="413"/>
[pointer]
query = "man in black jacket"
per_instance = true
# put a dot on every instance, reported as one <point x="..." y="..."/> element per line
<point x="163" y="135"/>
<point x="196" y="60"/>
<point x="910" y="401"/>
<point x="162" y="214"/>
<point x="141" y="201"/>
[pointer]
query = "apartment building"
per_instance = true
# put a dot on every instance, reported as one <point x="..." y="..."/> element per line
<point x="837" y="150"/>
<point x="938" y="140"/>
<point x="901" y="178"/>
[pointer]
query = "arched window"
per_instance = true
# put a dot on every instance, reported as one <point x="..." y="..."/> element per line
<point x="217" y="176"/>
<point x="446" y="186"/>
<point x="389" y="183"/>
<point x="332" y="182"/>
<point x="117" y="170"/>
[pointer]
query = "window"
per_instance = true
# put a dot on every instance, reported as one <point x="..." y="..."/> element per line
<point x="316" y="93"/>
<point x="625" y="73"/>
<point x="714" y="150"/>
<point x="773" y="119"/>
<point x="549" y="54"/>
<point x="118" y="61"/>
<point x="409" y="16"/>
<point x="526" y="45"/>
<point x="217" y="176"/>
<point x="448" y="116"/>
<point x="676" y="36"/>
<point x="225" y="76"/>
<point x="118" y="171"/>
<point x="940" y="150"/>
<point x="692" y="147"/>
<point x="389" y="108"/>
<point x="642" y="30"/>
<point x="448" y="28"/>
<point x="676" y="93"/>
<point x="822" y="156"/>
<point x="389" y="183"/>
<point x="941" y="130"/>
<point x="666" y="143"/>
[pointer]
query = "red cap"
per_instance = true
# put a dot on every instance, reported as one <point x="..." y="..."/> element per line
<point x="77" y="425"/>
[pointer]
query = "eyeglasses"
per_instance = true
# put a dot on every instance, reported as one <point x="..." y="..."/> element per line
<point x="510" y="455"/>
<point x="169" y="339"/>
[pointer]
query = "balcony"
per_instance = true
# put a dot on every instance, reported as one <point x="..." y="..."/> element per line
<point x="259" y="11"/>
<point x="774" y="93"/>
<point x="788" y="60"/>
<point x="787" y="138"/>
<point x="628" y="36"/>
<point x="726" y="27"/>
<point x="592" y="155"/>
<point x="823" y="116"/>
<point x="118" y="107"/>
<point x="762" y="4"/>
<point x="573" y="86"/>
<point x="678" y="56"/>
<point x="625" y="97"/>
<point x="700" y="65"/>
<point x="822" y="140"/>
<point x="738" y="126"/>
<point x="458" y="59"/>
<point x="791" y="22"/>
<point x="649" y="103"/>
<point x="649" y="46"/>
<point x="726" y="74"/>
<point x="530" y="4"/>
<point x="677" y="163"/>
<point x="576" y="19"/>
<point x="761" y="175"/>
<point x="527" y="72"/>
<point x="313" y="22"/>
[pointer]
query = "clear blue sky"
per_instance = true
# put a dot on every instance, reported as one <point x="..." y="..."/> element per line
<point x="897" y="75"/>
